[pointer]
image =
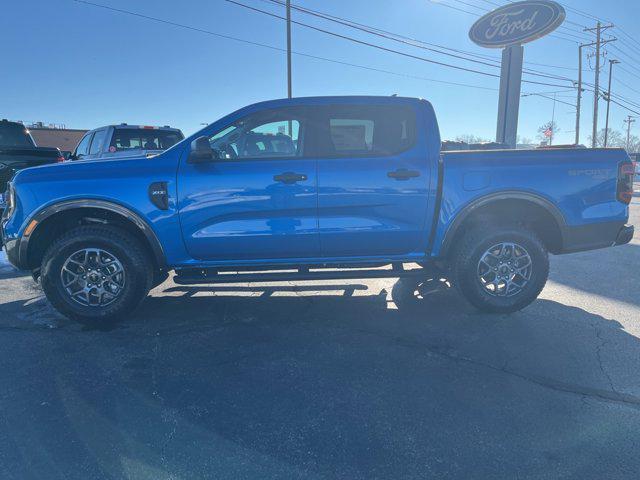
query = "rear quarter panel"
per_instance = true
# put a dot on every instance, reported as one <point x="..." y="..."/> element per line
<point x="581" y="183"/>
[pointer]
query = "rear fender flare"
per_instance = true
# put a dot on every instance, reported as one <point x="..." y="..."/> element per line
<point x="464" y="214"/>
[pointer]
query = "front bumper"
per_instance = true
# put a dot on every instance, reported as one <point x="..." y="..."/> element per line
<point x="625" y="235"/>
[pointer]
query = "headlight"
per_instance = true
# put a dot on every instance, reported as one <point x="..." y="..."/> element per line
<point x="3" y="166"/>
<point x="9" y="200"/>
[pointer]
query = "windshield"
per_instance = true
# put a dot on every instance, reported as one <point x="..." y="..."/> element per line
<point x="143" y="139"/>
<point x="14" y="135"/>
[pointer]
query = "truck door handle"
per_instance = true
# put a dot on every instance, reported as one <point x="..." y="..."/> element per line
<point x="290" y="178"/>
<point x="403" y="174"/>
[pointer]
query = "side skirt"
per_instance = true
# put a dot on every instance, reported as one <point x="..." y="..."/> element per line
<point x="277" y="274"/>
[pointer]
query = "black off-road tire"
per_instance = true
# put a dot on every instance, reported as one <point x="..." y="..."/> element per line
<point x="468" y="253"/>
<point x="136" y="262"/>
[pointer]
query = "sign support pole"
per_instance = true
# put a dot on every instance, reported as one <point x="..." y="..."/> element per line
<point x="509" y="102"/>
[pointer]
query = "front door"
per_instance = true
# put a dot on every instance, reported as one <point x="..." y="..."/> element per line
<point x="258" y="201"/>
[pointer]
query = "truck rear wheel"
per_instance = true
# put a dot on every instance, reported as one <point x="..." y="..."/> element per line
<point x="96" y="274"/>
<point x="500" y="270"/>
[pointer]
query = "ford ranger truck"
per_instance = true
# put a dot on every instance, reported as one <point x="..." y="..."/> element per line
<point x="120" y="141"/>
<point x="311" y="189"/>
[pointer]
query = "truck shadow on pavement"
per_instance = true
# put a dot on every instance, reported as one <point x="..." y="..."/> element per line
<point x="330" y="381"/>
<point x="610" y="273"/>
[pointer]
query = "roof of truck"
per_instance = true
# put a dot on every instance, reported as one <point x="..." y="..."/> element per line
<point x="346" y="99"/>
<point x="137" y="127"/>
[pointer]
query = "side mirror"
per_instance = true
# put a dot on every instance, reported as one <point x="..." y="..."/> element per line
<point x="201" y="151"/>
<point x="67" y="155"/>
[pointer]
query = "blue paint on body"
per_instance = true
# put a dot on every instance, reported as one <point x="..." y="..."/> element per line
<point x="348" y="210"/>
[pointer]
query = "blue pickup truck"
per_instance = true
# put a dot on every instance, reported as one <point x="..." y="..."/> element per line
<point x="313" y="188"/>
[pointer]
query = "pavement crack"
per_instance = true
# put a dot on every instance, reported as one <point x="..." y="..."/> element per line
<point x="546" y="382"/>
<point x="601" y="343"/>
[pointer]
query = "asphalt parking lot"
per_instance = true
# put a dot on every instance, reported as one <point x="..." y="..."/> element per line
<point x="354" y="380"/>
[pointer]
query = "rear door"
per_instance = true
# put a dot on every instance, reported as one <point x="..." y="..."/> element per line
<point x="259" y="200"/>
<point x="373" y="180"/>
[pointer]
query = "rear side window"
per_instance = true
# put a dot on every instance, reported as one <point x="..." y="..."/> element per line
<point x="143" y="139"/>
<point x="356" y="130"/>
<point x="96" y="143"/>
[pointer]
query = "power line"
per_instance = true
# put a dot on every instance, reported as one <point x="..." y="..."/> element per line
<point x="411" y="41"/>
<point x="618" y="49"/>
<point x="278" y="49"/>
<point x="548" y="98"/>
<point x="556" y="35"/>
<point x="362" y="42"/>
<point x="562" y="28"/>
<point x="369" y="30"/>
<point x="390" y="50"/>
<point x="620" y="103"/>
<point x="396" y="37"/>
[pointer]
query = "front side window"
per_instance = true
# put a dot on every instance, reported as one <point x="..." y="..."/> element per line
<point x="83" y="147"/>
<point x="268" y="134"/>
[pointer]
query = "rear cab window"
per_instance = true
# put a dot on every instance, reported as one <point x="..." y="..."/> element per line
<point x="15" y="135"/>
<point x="125" y="139"/>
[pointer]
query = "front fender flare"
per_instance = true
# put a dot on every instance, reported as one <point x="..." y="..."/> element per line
<point x="137" y="220"/>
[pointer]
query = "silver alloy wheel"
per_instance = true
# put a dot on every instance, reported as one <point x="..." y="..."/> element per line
<point x="504" y="270"/>
<point x="93" y="277"/>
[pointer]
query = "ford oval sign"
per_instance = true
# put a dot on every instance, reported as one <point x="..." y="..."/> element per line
<point x="517" y="23"/>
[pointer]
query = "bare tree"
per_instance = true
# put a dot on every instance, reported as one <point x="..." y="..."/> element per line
<point x="469" y="138"/>
<point x="615" y="138"/>
<point x="524" y="140"/>
<point x="549" y="126"/>
<point x="634" y="144"/>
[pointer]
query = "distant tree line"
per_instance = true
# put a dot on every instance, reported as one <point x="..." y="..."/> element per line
<point x="615" y="138"/>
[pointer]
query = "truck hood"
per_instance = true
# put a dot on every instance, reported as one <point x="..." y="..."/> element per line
<point x="88" y="169"/>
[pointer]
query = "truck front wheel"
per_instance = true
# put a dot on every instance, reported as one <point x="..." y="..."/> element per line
<point x="96" y="274"/>
<point x="500" y="270"/>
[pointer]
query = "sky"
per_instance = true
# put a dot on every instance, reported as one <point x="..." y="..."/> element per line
<point x="71" y="63"/>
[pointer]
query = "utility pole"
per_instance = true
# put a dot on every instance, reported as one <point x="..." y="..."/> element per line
<point x="606" y="128"/>
<point x="288" y="48"/>
<point x="629" y="121"/>
<point x="599" y="30"/>
<point x="579" y="100"/>
<point x="289" y="87"/>
<point x="553" y="120"/>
